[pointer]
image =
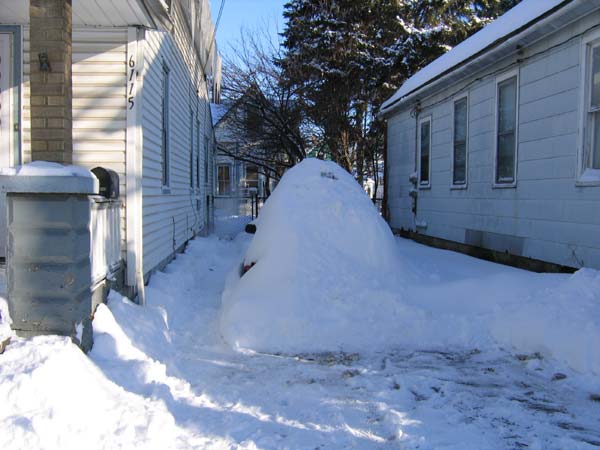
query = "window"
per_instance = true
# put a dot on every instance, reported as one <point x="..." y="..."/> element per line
<point x="251" y="176"/>
<point x="198" y="153"/>
<point x="224" y="179"/>
<point x="459" y="158"/>
<point x="206" y="159"/>
<point x="590" y="157"/>
<point x="165" y="126"/>
<point x="191" y="149"/>
<point x="424" y="152"/>
<point x="506" y="130"/>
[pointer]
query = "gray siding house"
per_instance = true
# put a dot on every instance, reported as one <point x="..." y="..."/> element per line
<point x="496" y="144"/>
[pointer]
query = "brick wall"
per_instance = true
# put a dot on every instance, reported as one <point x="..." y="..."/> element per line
<point x="51" y="89"/>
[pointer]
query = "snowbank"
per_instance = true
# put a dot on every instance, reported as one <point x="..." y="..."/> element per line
<point x="562" y="322"/>
<point x="325" y="269"/>
<point x="54" y="397"/>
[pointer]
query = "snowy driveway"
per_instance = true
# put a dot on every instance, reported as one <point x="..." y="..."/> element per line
<point x="175" y="384"/>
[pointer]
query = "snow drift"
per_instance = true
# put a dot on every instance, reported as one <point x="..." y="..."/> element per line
<point x="324" y="272"/>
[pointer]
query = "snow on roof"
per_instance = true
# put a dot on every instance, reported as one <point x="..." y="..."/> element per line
<point x="517" y="17"/>
<point x="217" y="111"/>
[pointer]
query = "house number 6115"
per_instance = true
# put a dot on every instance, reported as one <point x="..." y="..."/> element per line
<point x="131" y="83"/>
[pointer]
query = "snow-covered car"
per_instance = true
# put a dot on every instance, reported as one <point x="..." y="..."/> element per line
<point x="319" y="271"/>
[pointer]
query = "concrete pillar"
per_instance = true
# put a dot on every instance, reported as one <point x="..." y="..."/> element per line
<point x="51" y="86"/>
<point x="48" y="255"/>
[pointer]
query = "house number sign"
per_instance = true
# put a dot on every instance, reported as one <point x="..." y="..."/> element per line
<point x="132" y="76"/>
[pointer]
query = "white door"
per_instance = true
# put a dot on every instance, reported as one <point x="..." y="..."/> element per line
<point x="6" y="135"/>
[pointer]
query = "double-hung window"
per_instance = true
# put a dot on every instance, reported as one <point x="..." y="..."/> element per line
<point x="251" y="176"/>
<point x="191" y="149"/>
<point x="459" y="142"/>
<point x="507" y="101"/>
<point x="206" y="159"/>
<point x="198" y="153"/>
<point x="424" y="146"/>
<point x="165" y="127"/>
<point x="590" y="155"/>
<point x="223" y="179"/>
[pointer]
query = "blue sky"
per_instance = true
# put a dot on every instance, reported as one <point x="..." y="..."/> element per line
<point x="251" y="14"/>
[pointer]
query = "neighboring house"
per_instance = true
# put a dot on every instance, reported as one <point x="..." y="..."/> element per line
<point x="143" y="74"/>
<point x="495" y="145"/>
<point x="236" y="181"/>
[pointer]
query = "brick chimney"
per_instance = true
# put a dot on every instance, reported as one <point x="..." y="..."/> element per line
<point x="51" y="87"/>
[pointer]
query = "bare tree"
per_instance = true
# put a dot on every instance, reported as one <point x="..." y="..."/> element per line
<point x="264" y="115"/>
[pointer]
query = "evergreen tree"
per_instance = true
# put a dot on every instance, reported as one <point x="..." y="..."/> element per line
<point x="345" y="57"/>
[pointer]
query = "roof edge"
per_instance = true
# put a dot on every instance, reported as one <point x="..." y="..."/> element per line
<point x="464" y="64"/>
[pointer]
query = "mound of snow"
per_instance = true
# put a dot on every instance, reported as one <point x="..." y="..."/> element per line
<point x="54" y="397"/>
<point x="325" y="269"/>
<point x="561" y="321"/>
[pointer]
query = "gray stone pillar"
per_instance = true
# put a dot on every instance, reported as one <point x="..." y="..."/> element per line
<point x="48" y="255"/>
<point x="51" y="86"/>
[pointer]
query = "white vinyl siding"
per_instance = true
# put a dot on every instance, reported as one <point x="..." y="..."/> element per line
<point x="507" y="104"/>
<point x="171" y="217"/>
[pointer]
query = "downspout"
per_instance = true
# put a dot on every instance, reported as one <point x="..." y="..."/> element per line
<point x="139" y="153"/>
<point x="134" y="161"/>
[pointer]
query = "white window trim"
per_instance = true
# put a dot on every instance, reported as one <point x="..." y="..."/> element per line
<point x="499" y="79"/>
<point x="586" y="176"/>
<point x="466" y="183"/>
<point x="423" y="185"/>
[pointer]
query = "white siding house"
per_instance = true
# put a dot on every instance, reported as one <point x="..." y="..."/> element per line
<point x="144" y="72"/>
<point x="496" y="144"/>
<point x="240" y="184"/>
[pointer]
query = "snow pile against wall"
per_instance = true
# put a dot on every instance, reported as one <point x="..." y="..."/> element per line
<point x="324" y="270"/>
<point x="54" y="397"/>
<point x="5" y="331"/>
<point x="561" y="321"/>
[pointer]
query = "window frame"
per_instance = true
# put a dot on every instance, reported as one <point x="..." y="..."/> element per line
<point x="165" y="129"/>
<point x="587" y="175"/>
<point x="198" y="153"/>
<point x="230" y="171"/>
<point x="421" y="184"/>
<point x="191" y="165"/>
<point x="499" y="80"/>
<point x="464" y="185"/>
<point x="246" y="165"/>
<point x="206" y="158"/>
